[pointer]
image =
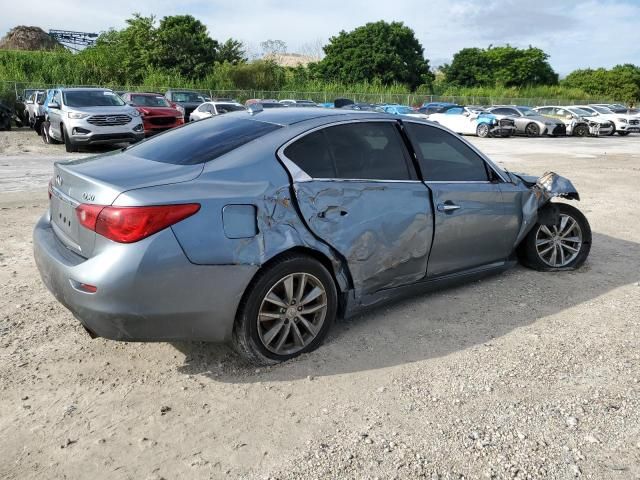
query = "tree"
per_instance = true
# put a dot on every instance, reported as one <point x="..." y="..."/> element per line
<point x="232" y="51"/>
<point x="183" y="45"/>
<point x="621" y="83"/>
<point x="376" y="52"/>
<point x="273" y="48"/>
<point x="500" y="67"/>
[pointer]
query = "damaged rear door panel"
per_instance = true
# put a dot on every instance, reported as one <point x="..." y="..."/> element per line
<point x="382" y="225"/>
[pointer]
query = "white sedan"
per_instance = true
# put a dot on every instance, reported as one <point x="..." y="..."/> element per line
<point x="210" y="109"/>
<point x="473" y="121"/>
<point x="622" y="123"/>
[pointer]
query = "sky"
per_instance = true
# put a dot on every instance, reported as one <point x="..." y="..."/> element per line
<point x="575" y="33"/>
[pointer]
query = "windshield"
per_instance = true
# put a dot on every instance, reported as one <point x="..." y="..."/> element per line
<point x="604" y="110"/>
<point x="91" y="98"/>
<point x="580" y="112"/>
<point x="529" y="112"/>
<point x="187" y="97"/>
<point x="149" y="101"/>
<point x="404" y="110"/>
<point x="228" y="107"/>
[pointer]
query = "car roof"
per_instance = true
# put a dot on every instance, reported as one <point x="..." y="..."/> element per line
<point x="148" y="94"/>
<point x="84" y="89"/>
<point x="223" y="102"/>
<point x="286" y="116"/>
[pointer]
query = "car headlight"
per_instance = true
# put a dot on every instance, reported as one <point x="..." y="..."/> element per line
<point x="77" y="115"/>
<point x="180" y="108"/>
<point x="623" y="120"/>
<point x="135" y="113"/>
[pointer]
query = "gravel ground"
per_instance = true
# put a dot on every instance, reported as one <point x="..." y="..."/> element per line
<point x="522" y="375"/>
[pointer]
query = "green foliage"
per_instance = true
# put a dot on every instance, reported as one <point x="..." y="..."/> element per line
<point x="183" y="45"/>
<point x="621" y="82"/>
<point x="500" y="66"/>
<point x="376" y="52"/>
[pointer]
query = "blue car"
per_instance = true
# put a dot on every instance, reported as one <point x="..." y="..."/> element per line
<point x="261" y="228"/>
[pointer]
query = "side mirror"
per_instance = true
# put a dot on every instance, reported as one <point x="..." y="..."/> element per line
<point x="569" y="117"/>
<point x="53" y="105"/>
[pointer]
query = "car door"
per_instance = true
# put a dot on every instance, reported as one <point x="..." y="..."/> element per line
<point x="473" y="228"/>
<point x="357" y="190"/>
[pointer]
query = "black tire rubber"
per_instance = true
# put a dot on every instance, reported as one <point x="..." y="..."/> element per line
<point x="623" y="134"/>
<point x="532" y="130"/>
<point x="483" y="130"/>
<point x="69" y="146"/>
<point x="246" y="340"/>
<point x="37" y="126"/>
<point x="581" y="131"/>
<point x="528" y="254"/>
<point x="613" y="129"/>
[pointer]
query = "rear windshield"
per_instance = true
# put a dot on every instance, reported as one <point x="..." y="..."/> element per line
<point x="200" y="142"/>
<point x="92" y="98"/>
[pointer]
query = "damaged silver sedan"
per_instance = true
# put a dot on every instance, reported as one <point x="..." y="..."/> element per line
<point x="262" y="228"/>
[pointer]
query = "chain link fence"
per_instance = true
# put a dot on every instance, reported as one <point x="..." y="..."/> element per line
<point x="10" y="91"/>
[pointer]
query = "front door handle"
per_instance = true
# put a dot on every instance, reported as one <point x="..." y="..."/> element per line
<point x="448" y="207"/>
<point x="333" y="211"/>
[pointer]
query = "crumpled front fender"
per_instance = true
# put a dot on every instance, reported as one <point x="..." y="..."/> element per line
<point x="542" y="190"/>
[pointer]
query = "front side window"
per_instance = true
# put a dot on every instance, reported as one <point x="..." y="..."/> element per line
<point x="367" y="150"/>
<point x="444" y="157"/>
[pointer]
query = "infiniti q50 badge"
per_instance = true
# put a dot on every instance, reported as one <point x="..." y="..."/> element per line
<point x="89" y="197"/>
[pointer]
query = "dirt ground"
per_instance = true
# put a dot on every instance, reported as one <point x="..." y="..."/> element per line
<point x="522" y="375"/>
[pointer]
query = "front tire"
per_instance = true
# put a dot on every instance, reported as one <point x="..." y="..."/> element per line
<point x="581" y="131"/>
<point x="69" y="146"/>
<point x="622" y="134"/>
<point x="563" y="246"/>
<point x="532" y="130"/>
<point x="482" y="130"/>
<point x="286" y="311"/>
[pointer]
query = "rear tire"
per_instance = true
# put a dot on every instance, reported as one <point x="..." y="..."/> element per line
<point x="269" y="326"/>
<point x="564" y="246"/>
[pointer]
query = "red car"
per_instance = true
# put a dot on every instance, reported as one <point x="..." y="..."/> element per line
<point x="157" y="113"/>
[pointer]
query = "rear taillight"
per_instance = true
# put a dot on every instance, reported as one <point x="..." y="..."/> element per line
<point x="131" y="224"/>
<point x="50" y="188"/>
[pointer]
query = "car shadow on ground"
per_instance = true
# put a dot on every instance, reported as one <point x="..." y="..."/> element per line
<point x="436" y="324"/>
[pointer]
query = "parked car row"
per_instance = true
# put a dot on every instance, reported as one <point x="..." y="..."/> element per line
<point x="507" y="120"/>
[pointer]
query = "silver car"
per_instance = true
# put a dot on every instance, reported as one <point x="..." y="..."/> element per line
<point x="91" y="116"/>
<point x="261" y="228"/>
<point x="529" y="122"/>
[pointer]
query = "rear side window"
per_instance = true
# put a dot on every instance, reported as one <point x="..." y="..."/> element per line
<point x="369" y="151"/>
<point x="201" y="142"/>
<point x="444" y="157"/>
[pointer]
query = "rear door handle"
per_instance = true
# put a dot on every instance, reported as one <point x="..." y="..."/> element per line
<point x="448" y="207"/>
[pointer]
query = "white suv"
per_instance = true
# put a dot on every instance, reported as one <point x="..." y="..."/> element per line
<point x="91" y="116"/>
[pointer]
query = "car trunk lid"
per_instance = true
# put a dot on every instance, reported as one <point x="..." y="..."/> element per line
<point x="100" y="180"/>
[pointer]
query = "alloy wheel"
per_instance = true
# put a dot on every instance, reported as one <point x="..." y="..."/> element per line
<point x="292" y="313"/>
<point x="560" y="244"/>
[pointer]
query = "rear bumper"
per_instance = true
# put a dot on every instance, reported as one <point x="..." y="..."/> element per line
<point x="147" y="291"/>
